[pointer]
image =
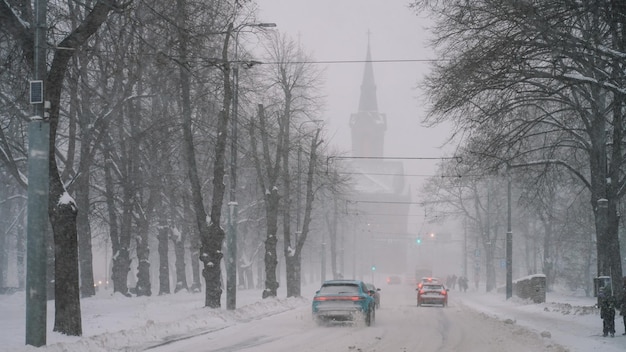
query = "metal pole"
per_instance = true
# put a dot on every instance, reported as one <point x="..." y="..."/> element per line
<point x="509" y="244"/>
<point x="298" y="196"/>
<point x="37" y="220"/>
<point x="231" y="243"/>
<point x="465" y="247"/>
<point x="323" y="268"/>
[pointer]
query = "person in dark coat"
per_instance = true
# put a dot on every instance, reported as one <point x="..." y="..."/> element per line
<point x="607" y="311"/>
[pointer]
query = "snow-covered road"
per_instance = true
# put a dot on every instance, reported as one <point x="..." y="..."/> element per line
<point x="400" y="326"/>
<point x="473" y="321"/>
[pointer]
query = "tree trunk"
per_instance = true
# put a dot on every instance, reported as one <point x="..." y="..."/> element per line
<point x="119" y="269"/>
<point x="288" y="247"/>
<point x="268" y="174"/>
<point x="144" y="286"/>
<point x="163" y="249"/>
<point x="194" y="246"/>
<point x="296" y="262"/>
<point x="212" y="243"/>
<point x="211" y="234"/>
<point x="271" y="261"/>
<point x="179" y="251"/>
<point x="62" y="209"/>
<point x="85" y="255"/>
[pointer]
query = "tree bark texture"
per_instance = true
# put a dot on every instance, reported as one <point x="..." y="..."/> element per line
<point x="164" y="265"/>
<point x="63" y="215"/>
<point x="268" y="173"/>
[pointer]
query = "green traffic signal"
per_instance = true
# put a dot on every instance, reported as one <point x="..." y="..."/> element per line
<point x="373" y="267"/>
<point x="418" y="240"/>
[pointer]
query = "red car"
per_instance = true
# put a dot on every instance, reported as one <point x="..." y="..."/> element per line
<point x="428" y="280"/>
<point x="432" y="293"/>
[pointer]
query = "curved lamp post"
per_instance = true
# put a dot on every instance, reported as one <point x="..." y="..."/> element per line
<point x="231" y="243"/>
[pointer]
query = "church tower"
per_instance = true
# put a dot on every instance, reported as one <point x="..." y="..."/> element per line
<point x="368" y="126"/>
<point x="380" y="190"/>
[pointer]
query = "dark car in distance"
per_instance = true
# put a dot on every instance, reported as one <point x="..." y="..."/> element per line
<point x="394" y="280"/>
<point x="432" y="293"/>
<point x="344" y="300"/>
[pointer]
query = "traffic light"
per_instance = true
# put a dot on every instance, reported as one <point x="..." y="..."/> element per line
<point x="418" y="240"/>
<point x="373" y="267"/>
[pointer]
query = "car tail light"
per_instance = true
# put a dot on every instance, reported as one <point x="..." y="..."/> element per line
<point x="422" y="292"/>
<point x="338" y="298"/>
<point x="443" y="292"/>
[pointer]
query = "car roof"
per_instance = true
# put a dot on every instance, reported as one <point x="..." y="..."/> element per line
<point x="342" y="281"/>
<point x="433" y="284"/>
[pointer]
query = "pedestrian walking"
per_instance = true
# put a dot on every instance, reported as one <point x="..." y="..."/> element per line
<point x="607" y="311"/>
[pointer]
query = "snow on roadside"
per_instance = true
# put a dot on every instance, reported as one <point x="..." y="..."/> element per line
<point x="114" y="322"/>
<point x="138" y="322"/>
<point x="569" y="320"/>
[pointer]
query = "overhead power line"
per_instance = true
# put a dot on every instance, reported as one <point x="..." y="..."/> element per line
<point x="354" y="61"/>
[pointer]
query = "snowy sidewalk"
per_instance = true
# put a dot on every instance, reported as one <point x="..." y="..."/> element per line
<point x="570" y="321"/>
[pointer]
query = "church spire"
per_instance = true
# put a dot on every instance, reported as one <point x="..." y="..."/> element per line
<point x="368" y="126"/>
<point x="368" y="101"/>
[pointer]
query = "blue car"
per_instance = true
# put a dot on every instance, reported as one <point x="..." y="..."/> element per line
<point x="344" y="300"/>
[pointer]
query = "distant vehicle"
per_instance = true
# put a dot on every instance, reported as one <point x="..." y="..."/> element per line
<point x="344" y="300"/>
<point x="428" y="280"/>
<point x="376" y="294"/>
<point x="394" y="280"/>
<point x="421" y="272"/>
<point x="432" y="293"/>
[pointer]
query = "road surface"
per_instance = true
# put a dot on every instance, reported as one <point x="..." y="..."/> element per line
<point x="399" y="326"/>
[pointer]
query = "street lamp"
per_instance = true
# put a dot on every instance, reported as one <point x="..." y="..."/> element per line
<point x="231" y="244"/>
<point x="37" y="205"/>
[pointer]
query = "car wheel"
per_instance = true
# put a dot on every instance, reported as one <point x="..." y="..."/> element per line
<point x="368" y="318"/>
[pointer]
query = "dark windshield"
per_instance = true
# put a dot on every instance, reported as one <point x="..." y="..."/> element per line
<point x="340" y="289"/>
<point x="433" y="287"/>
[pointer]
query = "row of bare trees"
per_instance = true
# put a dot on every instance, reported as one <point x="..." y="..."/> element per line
<point x="141" y="102"/>
<point x="535" y="90"/>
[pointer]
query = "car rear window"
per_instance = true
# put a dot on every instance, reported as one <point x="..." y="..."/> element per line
<point x="339" y="289"/>
<point x="433" y="287"/>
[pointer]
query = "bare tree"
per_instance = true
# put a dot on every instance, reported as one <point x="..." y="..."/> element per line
<point x="560" y="58"/>
<point x="293" y="87"/>
<point x="268" y="173"/>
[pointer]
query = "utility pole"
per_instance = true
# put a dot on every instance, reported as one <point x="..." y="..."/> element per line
<point x="37" y="220"/>
<point x="509" y="243"/>
<point x="231" y="241"/>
